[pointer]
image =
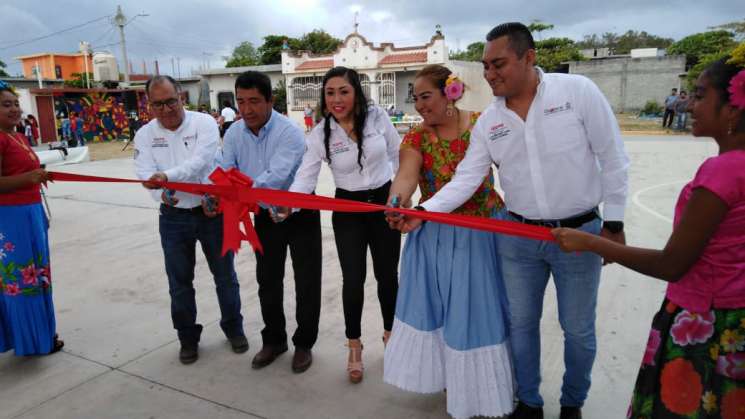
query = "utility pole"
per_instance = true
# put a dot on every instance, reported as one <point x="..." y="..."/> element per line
<point x="121" y="21"/>
<point x="173" y="67"/>
<point x="178" y="66"/>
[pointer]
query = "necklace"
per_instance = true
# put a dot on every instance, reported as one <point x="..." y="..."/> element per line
<point x="24" y="146"/>
<point x="458" y="133"/>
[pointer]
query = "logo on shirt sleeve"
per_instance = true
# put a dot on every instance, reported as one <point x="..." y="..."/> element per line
<point x="553" y="110"/>
<point x="137" y="154"/>
<point x="498" y="131"/>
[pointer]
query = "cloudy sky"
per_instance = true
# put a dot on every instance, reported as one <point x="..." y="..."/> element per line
<point x="195" y="34"/>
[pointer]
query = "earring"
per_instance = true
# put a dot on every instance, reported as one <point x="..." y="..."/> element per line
<point x="450" y="110"/>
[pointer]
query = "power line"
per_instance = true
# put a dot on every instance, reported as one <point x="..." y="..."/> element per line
<point x="54" y="33"/>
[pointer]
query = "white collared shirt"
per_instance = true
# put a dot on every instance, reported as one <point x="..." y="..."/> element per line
<point x="566" y="158"/>
<point x="187" y="154"/>
<point x="380" y="147"/>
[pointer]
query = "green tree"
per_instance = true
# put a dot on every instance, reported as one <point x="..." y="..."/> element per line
<point x="624" y="43"/>
<point x="551" y="52"/>
<point x="2" y="69"/>
<point x="244" y="54"/>
<point x="737" y="27"/>
<point x="279" y="96"/>
<point x="270" y="52"/>
<point x="702" y="63"/>
<point x="536" y="27"/>
<point x="319" y="41"/>
<point x="473" y="52"/>
<point x="703" y="44"/>
<point x="634" y="39"/>
<point x="78" y="80"/>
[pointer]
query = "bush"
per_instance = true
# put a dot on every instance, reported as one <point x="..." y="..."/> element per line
<point x="651" y="108"/>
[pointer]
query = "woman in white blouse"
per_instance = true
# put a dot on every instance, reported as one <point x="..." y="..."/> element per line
<point x="360" y="145"/>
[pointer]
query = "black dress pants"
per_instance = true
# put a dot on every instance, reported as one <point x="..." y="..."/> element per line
<point x="301" y="232"/>
<point x="354" y="233"/>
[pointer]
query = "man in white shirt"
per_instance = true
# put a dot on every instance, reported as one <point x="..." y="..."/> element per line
<point x="227" y="117"/>
<point x="181" y="146"/>
<point x="559" y="152"/>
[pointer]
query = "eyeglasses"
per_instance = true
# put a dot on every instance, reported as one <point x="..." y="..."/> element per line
<point x="160" y="105"/>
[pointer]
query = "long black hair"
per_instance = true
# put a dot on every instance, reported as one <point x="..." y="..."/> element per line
<point x="360" y="108"/>
<point x="719" y="74"/>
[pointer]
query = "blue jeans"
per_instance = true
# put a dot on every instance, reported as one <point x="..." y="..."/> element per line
<point x="526" y="266"/>
<point x="179" y="232"/>
<point x="681" y="118"/>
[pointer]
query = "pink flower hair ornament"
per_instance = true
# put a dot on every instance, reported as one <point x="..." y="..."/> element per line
<point x="454" y="88"/>
<point x="736" y="90"/>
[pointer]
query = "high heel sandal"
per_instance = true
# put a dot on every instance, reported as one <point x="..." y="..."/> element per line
<point x="354" y="363"/>
<point x="386" y="337"/>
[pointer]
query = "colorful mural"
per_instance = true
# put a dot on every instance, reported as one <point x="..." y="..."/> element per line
<point x="104" y="115"/>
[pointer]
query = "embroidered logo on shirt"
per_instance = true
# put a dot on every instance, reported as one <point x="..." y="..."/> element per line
<point x="190" y="137"/>
<point x="160" y="142"/>
<point x="557" y="109"/>
<point x="498" y="131"/>
<point x="338" y="147"/>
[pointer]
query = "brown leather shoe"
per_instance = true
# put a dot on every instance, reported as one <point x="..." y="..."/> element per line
<point x="267" y="355"/>
<point x="301" y="360"/>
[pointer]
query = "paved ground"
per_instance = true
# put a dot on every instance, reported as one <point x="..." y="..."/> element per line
<point x="120" y="360"/>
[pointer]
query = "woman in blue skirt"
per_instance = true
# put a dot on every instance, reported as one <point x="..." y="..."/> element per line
<point x="27" y="322"/>
<point x="450" y="331"/>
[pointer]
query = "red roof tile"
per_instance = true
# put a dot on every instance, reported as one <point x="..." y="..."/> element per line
<point x="410" y="57"/>
<point x="316" y="64"/>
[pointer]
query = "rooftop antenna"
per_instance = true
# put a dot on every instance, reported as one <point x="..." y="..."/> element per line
<point x="356" y="24"/>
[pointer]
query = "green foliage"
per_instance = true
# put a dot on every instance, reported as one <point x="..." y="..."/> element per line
<point x="536" y="27"/>
<point x="473" y="52"/>
<point x="738" y="55"/>
<point x="703" y="44"/>
<point x="244" y="54"/>
<point x="270" y="52"/>
<point x="279" y="96"/>
<point x="699" y="68"/>
<point x="78" y="80"/>
<point x="624" y="43"/>
<point x="737" y="27"/>
<point x="319" y="42"/>
<point x="551" y="52"/>
<point x="651" y="108"/>
<point x="2" y="69"/>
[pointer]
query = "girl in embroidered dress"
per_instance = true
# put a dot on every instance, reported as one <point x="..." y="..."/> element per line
<point x="694" y="364"/>
<point x="27" y="322"/>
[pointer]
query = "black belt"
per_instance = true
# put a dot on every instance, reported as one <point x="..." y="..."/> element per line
<point x="168" y="208"/>
<point x="571" y="222"/>
<point x="377" y="195"/>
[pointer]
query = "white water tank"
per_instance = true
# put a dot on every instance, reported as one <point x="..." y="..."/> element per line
<point x="105" y="67"/>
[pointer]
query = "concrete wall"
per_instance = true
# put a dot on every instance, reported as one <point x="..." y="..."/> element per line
<point x="629" y="83"/>
<point x="226" y="83"/>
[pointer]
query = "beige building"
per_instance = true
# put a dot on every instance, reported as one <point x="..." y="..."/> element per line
<point x="386" y="71"/>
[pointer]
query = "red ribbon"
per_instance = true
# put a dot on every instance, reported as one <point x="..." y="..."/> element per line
<point x="238" y="197"/>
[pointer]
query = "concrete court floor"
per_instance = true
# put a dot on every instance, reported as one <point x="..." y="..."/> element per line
<point x="120" y="358"/>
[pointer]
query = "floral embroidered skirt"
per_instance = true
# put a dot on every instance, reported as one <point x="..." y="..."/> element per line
<point x="693" y="367"/>
<point x="27" y="322"/>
